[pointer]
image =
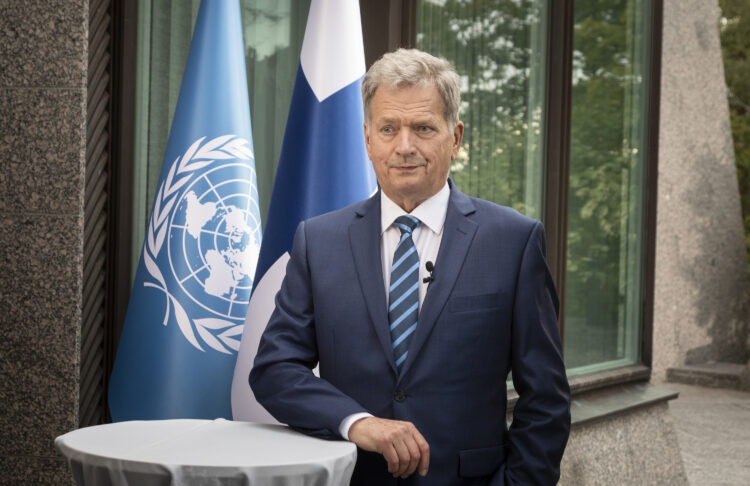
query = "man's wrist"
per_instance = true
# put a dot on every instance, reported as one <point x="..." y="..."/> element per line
<point x="348" y="421"/>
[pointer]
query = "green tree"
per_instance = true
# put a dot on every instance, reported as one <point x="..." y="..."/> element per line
<point x="735" y="48"/>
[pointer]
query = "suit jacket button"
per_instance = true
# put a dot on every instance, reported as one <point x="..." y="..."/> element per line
<point x="399" y="396"/>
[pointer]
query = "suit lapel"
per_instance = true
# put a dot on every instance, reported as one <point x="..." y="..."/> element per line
<point x="364" y="237"/>
<point x="458" y="233"/>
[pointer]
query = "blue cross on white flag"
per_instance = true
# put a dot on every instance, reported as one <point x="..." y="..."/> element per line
<point x="323" y="165"/>
<point x="187" y="310"/>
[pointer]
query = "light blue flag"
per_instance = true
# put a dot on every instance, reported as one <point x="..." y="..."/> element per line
<point x="323" y="165"/>
<point x="187" y="310"/>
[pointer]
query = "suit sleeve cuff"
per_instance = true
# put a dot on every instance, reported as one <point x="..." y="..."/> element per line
<point x="349" y="421"/>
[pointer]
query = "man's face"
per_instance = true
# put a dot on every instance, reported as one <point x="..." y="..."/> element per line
<point x="410" y="144"/>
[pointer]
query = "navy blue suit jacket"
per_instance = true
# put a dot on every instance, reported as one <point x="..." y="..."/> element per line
<point x="491" y="309"/>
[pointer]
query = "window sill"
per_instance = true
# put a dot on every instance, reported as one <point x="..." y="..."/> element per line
<point x="601" y="404"/>
<point x="601" y="395"/>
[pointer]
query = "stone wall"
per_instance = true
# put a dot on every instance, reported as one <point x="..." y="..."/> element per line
<point x="701" y="311"/>
<point x="639" y="447"/>
<point x="43" y="63"/>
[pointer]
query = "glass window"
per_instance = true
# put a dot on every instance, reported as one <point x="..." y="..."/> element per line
<point x="607" y="180"/>
<point x="499" y="50"/>
<point x="273" y="31"/>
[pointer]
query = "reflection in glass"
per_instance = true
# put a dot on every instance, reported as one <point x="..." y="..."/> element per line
<point x="499" y="50"/>
<point x="607" y="178"/>
<point x="273" y="32"/>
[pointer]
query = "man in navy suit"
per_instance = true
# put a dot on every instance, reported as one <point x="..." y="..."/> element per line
<point x="416" y="304"/>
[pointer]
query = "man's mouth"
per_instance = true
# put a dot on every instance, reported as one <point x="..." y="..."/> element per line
<point x="407" y="166"/>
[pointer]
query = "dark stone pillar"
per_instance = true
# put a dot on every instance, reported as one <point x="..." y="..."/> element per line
<point x="43" y="63"/>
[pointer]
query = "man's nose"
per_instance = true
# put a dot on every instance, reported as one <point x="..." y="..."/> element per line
<point x="405" y="143"/>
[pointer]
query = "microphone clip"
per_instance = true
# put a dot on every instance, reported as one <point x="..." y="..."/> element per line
<point x="430" y="267"/>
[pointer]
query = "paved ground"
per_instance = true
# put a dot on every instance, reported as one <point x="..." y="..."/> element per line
<point x="713" y="429"/>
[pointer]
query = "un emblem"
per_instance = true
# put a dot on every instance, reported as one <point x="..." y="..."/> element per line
<point x="206" y="215"/>
<point x="213" y="243"/>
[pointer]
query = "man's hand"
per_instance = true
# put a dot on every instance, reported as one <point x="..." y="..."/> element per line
<point x="399" y="442"/>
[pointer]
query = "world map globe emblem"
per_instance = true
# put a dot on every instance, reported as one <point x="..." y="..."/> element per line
<point x="214" y="240"/>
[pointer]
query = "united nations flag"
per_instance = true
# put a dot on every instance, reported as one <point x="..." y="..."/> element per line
<point x="187" y="309"/>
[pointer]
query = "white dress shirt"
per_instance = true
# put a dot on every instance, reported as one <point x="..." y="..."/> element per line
<point x="427" y="236"/>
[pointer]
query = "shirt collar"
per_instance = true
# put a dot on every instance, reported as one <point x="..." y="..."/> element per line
<point x="431" y="212"/>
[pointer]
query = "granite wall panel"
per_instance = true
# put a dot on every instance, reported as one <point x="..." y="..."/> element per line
<point x="43" y="70"/>
<point x="42" y="148"/>
<point x="702" y="295"/>
<point x="639" y="447"/>
<point x="39" y="329"/>
<point x="43" y="43"/>
<point x="27" y="470"/>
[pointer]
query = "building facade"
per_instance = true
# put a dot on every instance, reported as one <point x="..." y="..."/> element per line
<point x="607" y="120"/>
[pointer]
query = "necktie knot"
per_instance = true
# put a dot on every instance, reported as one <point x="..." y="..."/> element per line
<point x="406" y="223"/>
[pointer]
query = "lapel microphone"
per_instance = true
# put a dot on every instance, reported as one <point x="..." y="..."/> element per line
<point x="429" y="266"/>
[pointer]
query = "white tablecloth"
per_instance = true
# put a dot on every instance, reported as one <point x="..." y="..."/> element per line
<point x="204" y="452"/>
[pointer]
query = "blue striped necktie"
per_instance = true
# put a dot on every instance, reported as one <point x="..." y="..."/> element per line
<point x="403" y="307"/>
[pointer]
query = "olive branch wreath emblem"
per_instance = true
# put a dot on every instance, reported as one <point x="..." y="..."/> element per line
<point x="219" y="334"/>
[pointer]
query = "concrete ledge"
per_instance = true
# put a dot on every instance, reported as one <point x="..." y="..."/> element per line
<point x="616" y="400"/>
<point x="594" y="381"/>
<point x="602" y="379"/>
<point x="713" y="375"/>
<point x="601" y="395"/>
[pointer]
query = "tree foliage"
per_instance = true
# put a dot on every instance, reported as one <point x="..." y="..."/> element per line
<point x="491" y="44"/>
<point x="735" y="48"/>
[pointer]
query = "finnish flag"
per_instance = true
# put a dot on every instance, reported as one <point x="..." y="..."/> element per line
<point x="323" y="166"/>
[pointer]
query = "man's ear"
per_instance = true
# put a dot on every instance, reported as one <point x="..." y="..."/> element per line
<point x="458" y="135"/>
<point x="367" y="137"/>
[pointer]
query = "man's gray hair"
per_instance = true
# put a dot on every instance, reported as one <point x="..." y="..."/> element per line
<point x="405" y="68"/>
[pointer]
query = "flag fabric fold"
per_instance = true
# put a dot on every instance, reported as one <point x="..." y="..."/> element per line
<point x="187" y="310"/>
<point x="323" y="165"/>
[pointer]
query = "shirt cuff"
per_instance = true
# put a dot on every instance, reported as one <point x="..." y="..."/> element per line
<point x="349" y="421"/>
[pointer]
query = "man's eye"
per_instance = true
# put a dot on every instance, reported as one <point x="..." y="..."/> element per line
<point x="387" y="129"/>
<point x="424" y="128"/>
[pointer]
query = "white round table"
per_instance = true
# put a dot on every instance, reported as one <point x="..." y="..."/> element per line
<point x="204" y="452"/>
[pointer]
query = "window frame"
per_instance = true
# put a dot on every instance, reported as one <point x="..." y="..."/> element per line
<point x="652" y="172"/>
<point x="393" y="24"/>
